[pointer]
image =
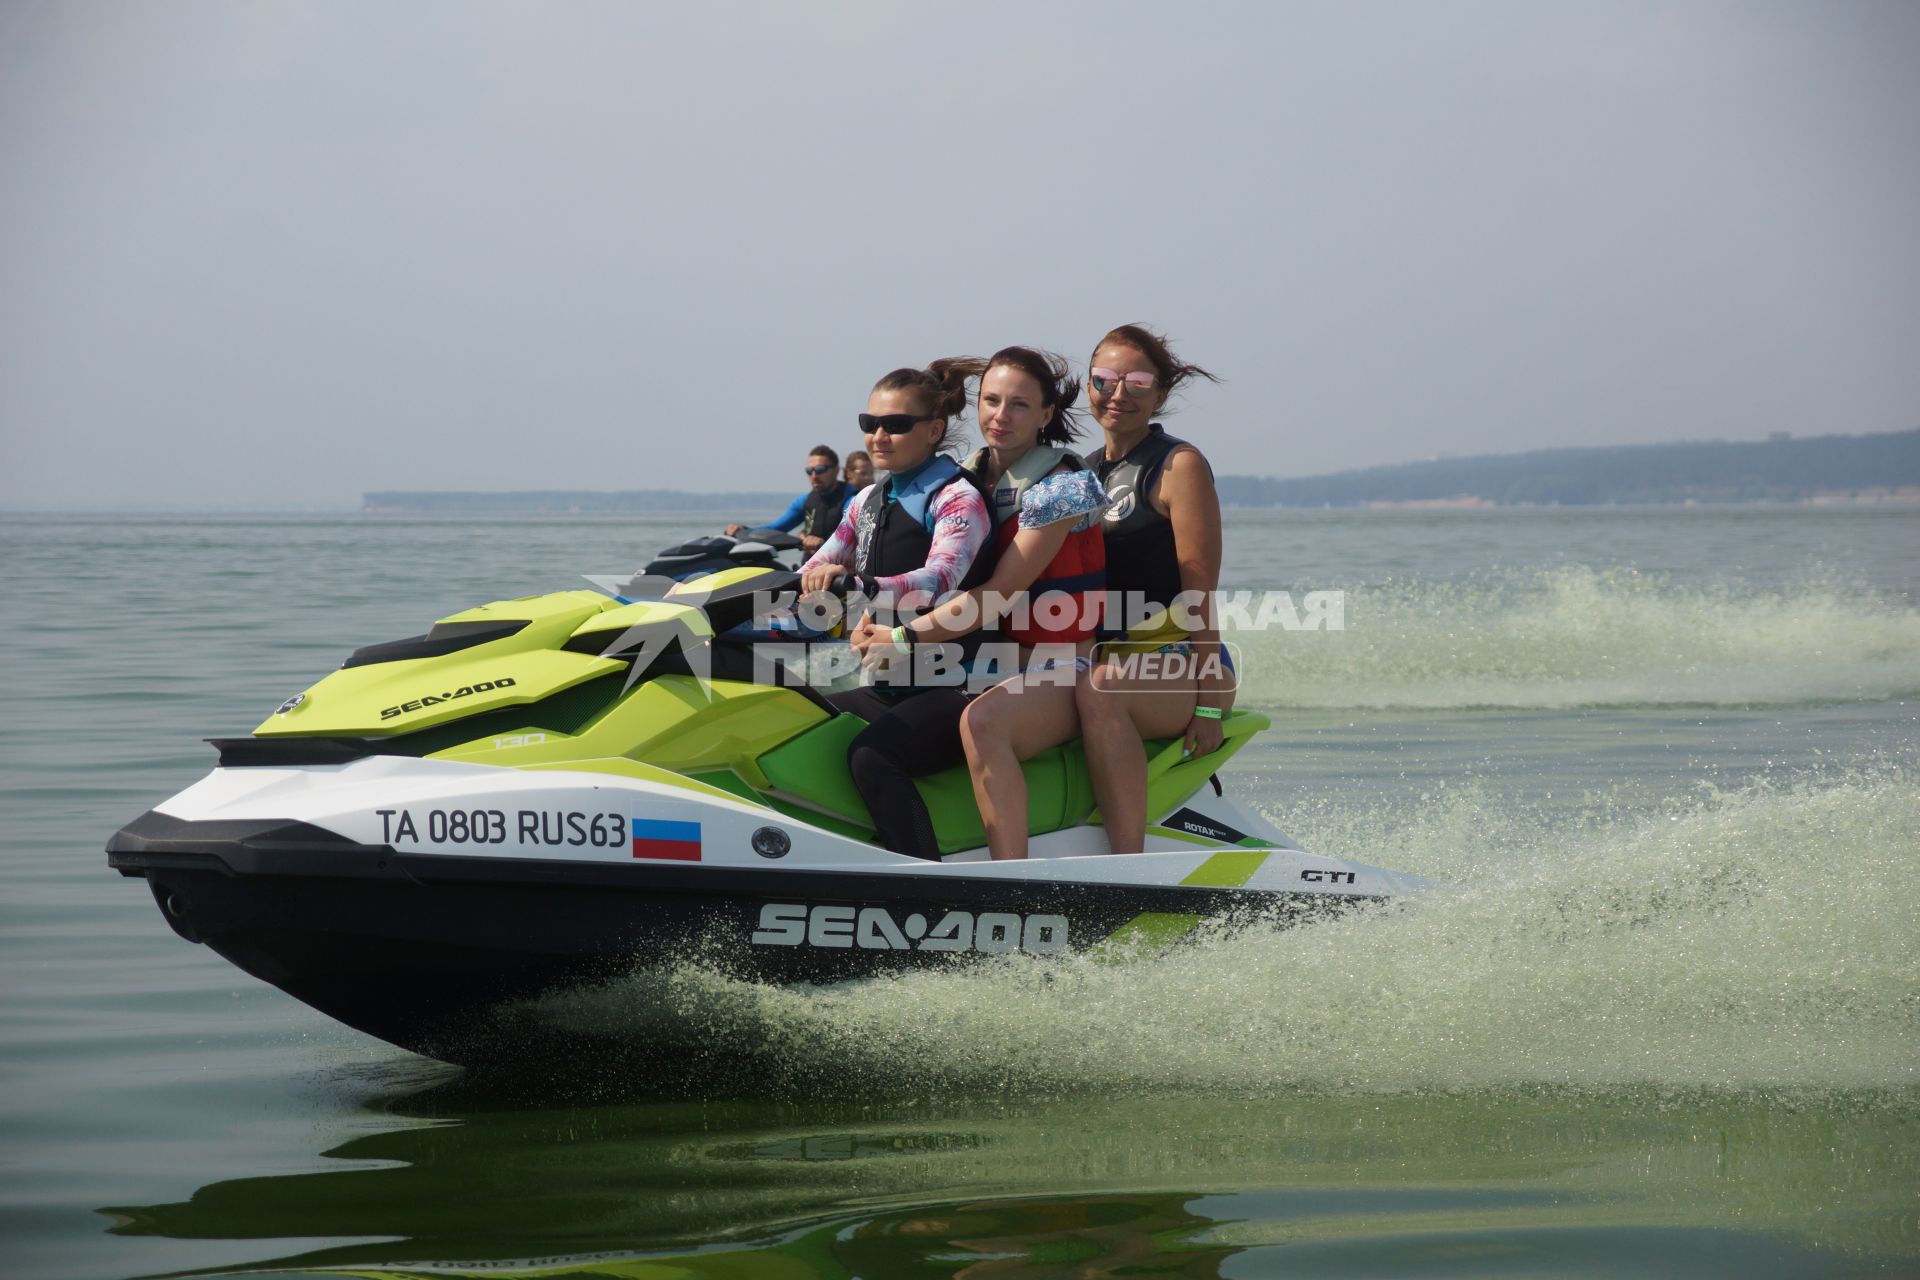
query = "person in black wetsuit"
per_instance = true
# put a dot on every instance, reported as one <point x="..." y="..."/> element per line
<point x="910" y="541"/>
<point x="815" y="513"/>
<point x="1163" y="553"/>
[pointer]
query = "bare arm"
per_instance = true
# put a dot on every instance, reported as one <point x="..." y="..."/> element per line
<point x="1187" y="494"/>
<point x="1030" y="552"/>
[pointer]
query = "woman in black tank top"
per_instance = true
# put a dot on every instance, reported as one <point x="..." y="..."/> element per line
<point x="1163" y="548"/>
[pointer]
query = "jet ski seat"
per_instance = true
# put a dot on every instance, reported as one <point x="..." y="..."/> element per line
<point x="810" y="772"/>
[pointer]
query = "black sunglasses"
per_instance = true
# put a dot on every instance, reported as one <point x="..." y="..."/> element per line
<point x="894" y="424"/>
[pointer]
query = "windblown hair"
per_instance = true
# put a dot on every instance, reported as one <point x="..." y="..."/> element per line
<point x="1169" y="367"/>
<point x="938" y="391"/>
<point x="1058" y="388"/>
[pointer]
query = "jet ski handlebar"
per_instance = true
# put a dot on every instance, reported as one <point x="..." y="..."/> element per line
<point x="775" y="539"/>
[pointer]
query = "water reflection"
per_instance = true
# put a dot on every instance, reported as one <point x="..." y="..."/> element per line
<point x="461" y="1183"/>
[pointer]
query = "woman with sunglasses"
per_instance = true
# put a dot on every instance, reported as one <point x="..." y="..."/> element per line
<point x="1163" y="561"/>
<point x="912" y="539"/>
<point x="1039" y="601"/>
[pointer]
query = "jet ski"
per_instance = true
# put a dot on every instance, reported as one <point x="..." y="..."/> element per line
<point x="547" y="793"/>
<point x="753" y="549"/>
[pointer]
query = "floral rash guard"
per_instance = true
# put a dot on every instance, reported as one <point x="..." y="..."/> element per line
<point x="1064" y="495"/>
<point x="960" y="529"/>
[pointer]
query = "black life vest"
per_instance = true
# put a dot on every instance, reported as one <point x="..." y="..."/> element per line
<point x="901" y="540"/>
<point x="1141" y="557"/>
<point x="821" y="516"/>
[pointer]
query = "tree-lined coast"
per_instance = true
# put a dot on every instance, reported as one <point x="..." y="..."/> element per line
<point x="1882" y="468"/>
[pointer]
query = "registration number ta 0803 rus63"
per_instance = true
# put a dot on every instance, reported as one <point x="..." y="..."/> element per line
<point x="569" y="828"/>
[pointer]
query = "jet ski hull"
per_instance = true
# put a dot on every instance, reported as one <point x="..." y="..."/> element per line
<point x="565" y="791"/>
<point x="433" y="951"/>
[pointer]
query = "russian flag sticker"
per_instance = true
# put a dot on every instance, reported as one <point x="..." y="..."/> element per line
<point x="677" y="841"/>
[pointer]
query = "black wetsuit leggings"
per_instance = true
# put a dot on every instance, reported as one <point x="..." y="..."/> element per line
<point x="906" y="738"/>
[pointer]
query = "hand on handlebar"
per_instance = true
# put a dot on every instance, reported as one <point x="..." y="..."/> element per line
<point x="821" y="578"/>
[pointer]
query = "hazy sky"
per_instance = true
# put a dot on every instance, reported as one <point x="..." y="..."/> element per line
<point x="272" y="254"/>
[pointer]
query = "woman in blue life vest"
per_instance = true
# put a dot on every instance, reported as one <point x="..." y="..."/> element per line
<point x="1034" y="613"/>
<point x="1163" y="565"/>
<point x="907" y="542"/>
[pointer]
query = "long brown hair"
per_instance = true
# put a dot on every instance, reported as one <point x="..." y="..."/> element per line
<point x="1058" y="388"/>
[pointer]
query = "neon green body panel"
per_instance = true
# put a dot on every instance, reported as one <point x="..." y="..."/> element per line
<point x="611" y="624"/>
<point x="1171" y="777"/>
<point x="700" y="587"/>
<point x="667" y="721"/>
<point x="544" y="698"/>
<point x="551" y="617"/>
<point x="812" y="769"/>
<point x="811" y="772"/>
<point x="409" y="694"/>
<point x="1157" y="930"/>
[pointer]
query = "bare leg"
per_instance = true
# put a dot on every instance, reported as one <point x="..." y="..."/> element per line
<point x="1011" y="722"/>
<point x="1117" y="714"/>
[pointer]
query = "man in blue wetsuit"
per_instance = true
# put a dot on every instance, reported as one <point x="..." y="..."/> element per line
<point x="817" y="511"/>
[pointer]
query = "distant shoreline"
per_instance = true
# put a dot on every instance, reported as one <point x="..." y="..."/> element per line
<point x="1881" y="469"/>
<point x="1904" y="496"/>
<point x="1827" y="503"/>
<point x="1831" y="471"/>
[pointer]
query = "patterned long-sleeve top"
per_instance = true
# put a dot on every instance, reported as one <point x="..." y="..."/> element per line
<point x="1064" y="495"/>
<point x="958" y="521"/>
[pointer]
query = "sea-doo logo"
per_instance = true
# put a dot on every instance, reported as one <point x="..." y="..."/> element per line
<point x="793" y="924"/>
<point x="464" y="691"/>
<point x="290" y="704"/>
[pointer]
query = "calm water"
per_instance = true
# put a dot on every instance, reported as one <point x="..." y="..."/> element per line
<point x="1671" y="1026"/>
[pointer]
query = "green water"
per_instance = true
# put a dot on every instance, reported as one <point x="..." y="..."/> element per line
<point x="1668" y="1024"/>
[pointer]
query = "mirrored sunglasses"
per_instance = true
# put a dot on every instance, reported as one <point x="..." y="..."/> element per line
<point x="1107" y="381"/>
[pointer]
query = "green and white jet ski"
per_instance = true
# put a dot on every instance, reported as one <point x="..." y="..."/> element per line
<point x="563" y="789"/>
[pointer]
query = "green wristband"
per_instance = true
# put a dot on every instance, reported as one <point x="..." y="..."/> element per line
<point x="1207" y="713"/>
<point x="902" y="638"/>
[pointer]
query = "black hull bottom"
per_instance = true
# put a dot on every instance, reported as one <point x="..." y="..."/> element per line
<point x="441" y="956"/>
